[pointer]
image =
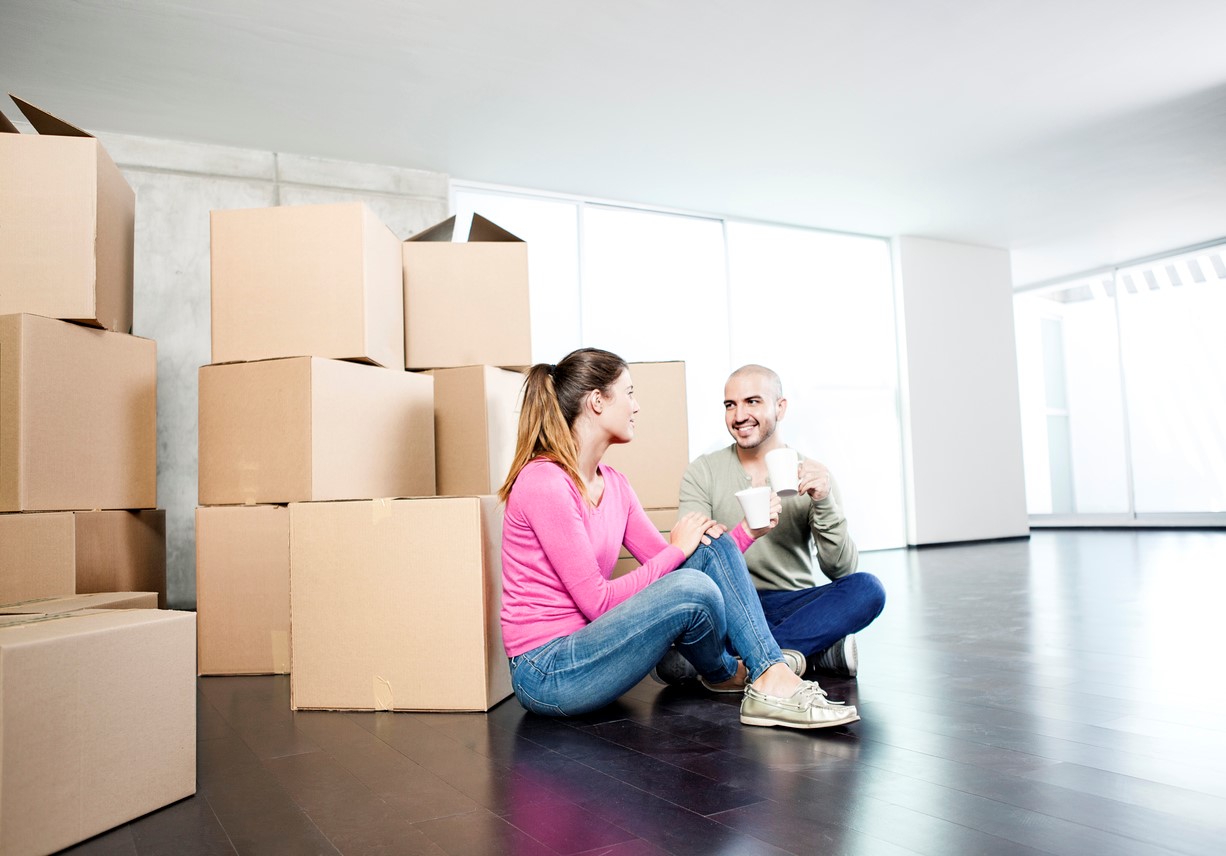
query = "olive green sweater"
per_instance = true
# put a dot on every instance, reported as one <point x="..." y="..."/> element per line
<point x="784" y="558"/>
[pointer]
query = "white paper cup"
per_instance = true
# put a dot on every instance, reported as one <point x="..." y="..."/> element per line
<point x="783" y="468"/>
<point x="756" y="503"/>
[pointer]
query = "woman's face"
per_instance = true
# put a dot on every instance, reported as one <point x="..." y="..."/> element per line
<point x="618" y="408"/>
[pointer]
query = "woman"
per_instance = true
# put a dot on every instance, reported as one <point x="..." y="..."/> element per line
<point x="578" y="639"/>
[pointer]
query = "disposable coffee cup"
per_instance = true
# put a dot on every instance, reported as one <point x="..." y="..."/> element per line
<point x="783" y="468"/>
<point x="756" y="503"/>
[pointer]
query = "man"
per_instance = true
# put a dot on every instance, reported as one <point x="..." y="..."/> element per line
<point x="817" y="620"/>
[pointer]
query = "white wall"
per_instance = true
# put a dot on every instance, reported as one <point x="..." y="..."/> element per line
<point x="961" y="417"/>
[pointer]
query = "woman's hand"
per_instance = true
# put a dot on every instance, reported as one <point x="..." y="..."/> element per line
<point x="776" y="510"/>
<point x="693" y="529"/>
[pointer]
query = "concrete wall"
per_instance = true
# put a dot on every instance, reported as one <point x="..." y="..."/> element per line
<point x="176" y="185"/>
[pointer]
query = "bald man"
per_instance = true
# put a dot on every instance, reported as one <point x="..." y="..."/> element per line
<point x="818" y="620"/>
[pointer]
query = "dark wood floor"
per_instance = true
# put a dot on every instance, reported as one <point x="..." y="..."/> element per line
<point x="1057" y="695"/>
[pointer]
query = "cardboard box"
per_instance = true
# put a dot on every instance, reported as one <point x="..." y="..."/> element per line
<point x="656" y="459"/>
<point x="77" y="602"/>
<point x="67" y="219"/>
<point x="476" y="415"/>
<point x="78" y="417"/>
<point x="306" y="281"/>
<point x="394" y="605"/>
<point x="242" y="590"/>
<point x="290" y="430"/>
<point x="97" y="723"/>
<point x="663" y="518"/>
<point x="466" y="304"/>
<point x="64" y="552"/>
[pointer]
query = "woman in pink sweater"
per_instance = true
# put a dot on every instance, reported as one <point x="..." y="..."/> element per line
<point x="578" y="639"/>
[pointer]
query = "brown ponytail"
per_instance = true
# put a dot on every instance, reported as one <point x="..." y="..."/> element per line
<point x="553" y="397"/>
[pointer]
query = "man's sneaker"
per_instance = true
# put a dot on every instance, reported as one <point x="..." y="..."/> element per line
<point x="805" y="708"/>
<point x="673" y="669"/>
<point x="841" y="658"/>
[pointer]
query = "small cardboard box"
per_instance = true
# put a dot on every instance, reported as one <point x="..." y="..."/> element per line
<point x="78" y="417"/>
<point x="67" y="219"/>
<point x="395" y="604"/>
<point x="242" y="590"/>
<point x="291" y="430"/>
<point x="306" y="281"/>
<point x="466" y="303"/>
<point x="663" y="518"/>
<point x="476" y="415"/>
<point x="656" y="460"/>
<point x="97" y="723"/>
<point x="64" y="552"/>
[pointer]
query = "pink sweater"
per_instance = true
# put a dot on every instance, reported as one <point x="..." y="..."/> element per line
<point x="558" y="553"/>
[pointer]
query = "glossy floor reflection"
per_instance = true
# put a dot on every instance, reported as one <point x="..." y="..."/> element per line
<point x="1055" y="695"/>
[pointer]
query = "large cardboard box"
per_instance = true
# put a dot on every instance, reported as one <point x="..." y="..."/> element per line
<point x="97" y="723"/>
<point x="394" y="605"/>
<point x="78" y="417"/>
<point x="663" y="518"/>
<point x="476" y="415"/>
<point x="306" y="281"/>
<point x="67" y="218"/>
<point x="466" y="303"/>
<point x="280" y="431"/>
<point x="64" y="552"/>
<point x="242" y="590"/>
<point x="656" y="459"/>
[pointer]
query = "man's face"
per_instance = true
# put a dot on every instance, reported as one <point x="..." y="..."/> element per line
<point x="751" y="411"/>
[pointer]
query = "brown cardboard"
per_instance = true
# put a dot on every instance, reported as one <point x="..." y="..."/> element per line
<point x="476" y="414"/>
<point x="78" y="417"/>
<point x="656" y="459"/>
<point x="61" y="552"/>
<point x="394" y="605"/>
<point x="77" y="602"/>
<point x="306" y="280"/>
<point x="663" y="518"/>
<point x="97" y="723"/>
<point x="67" y="219"/>
<point x="242" y="590"/>
<point x="290" y="430"/>
<point x="466" y="303"/>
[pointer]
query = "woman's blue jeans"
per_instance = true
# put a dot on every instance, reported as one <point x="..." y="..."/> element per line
<point x="705" y="606"/>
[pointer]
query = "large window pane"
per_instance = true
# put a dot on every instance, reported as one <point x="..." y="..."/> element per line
<point x="818" y="308"/>
<point x="1175" y="361"/>
<point x="654" y="289"/>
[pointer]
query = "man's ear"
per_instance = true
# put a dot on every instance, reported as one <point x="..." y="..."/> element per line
<point x="781" y="407"/>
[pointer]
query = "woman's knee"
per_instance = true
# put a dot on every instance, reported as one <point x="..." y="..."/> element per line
<point x="693" y="586"/>
<point x="721" y="549"/>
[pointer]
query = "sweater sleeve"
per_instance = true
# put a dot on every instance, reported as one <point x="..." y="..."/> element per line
<point x="837" y="554"/>
<point x="557" y="520"/>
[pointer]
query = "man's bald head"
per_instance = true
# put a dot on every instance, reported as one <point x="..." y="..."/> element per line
<point x="773" y="384"/>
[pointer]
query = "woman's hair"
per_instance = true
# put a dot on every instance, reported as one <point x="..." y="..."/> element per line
<point x="553" y="399"/>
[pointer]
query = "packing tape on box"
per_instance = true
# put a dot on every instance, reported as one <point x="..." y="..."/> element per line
<point x="380" y="510"/>
<point x="382" y="693"/>
<point x="280" y="651"/>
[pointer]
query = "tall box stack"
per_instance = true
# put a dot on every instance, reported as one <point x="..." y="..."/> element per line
<point x="95" y="688"/>
<point x="305" y="400"/>
<point x="78" y="392"/>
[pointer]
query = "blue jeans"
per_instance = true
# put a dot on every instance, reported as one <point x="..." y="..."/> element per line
<point x="707" y="602"/>
<point x="811" y="620"/>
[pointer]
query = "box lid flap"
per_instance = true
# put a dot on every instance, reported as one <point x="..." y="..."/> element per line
<point x="7" y="127"/>
<point x="487" y="230"/>
<point x="439" y="232"/>
<point x="45" y="123"/>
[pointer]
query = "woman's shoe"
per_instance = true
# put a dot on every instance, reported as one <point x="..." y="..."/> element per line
<point x="793" y="659"/>
<point x="805" y="708"/>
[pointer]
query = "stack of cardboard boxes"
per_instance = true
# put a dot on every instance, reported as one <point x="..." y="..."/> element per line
<point x="97" y="688"/>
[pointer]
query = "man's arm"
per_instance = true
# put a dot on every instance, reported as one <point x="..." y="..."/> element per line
<point x="837" y="555"/>
<point x="696" y="490"/>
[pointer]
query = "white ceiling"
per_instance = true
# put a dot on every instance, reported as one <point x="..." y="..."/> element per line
<point x="1074" y="132"/>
